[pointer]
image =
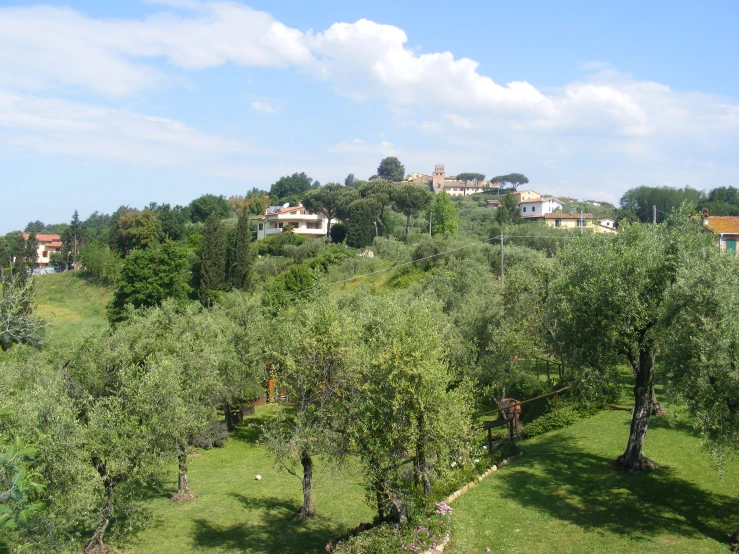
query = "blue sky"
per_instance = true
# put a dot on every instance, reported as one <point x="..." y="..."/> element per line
<point x="111" y="103"/>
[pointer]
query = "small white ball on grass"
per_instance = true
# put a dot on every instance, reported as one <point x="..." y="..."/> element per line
<point x="258" y="478"/>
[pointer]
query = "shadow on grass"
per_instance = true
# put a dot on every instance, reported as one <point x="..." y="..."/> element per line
<point x="586" y="490"/>
<point x="275" y="530"/>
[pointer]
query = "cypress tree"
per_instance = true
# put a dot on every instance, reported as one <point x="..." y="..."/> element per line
<point x="213" y="258"/>
<point x="244" y="254"/>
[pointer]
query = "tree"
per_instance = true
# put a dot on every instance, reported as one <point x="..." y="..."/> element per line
<point x="19" y="486"/>
<point x="173" y="219"/>
<point x="701" y="352"/>
<point x="401" y="406"/>
<point x="469" y="176"/>
<point x="35" y="227"/>
<point x="256" y="202"/>
<point x="310" y="360"/>
<point x="444" y="215"/>
<point x="508" y="213"/>
<point x="610" y="299"/>
<point x="73" y="239"/>
<point x="18" y="324"/>
<point x="640" y="200"/>
<point x="99" y="227"/>
<point x="213" y="260"/>
<point x="296" y="184"/>
<point x="138" y="230"/>
<point x="515" y="180"/>
<point x="361" y="223"/>
<point x="244" y="255"/>
<point x="4" y="257"/>
<point x="207" y="204"/>
<point x="391" y="169"/>
<point x="148" y="277"/>
<point x="411" y="200"/>
<point x="378" y="193"/>
<point x="30" y="251"/>
<point x="338" y="232"/>
<point x="329" y="199"/>
<point x="349" y="181"/>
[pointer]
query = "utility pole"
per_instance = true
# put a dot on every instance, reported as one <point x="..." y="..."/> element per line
<point x="501" y="259"/>
<point x="581" y="224"/>
<point x="654" y="214"/>
<point x="431" y="218"/>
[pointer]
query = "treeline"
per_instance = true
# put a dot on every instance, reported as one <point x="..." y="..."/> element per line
<point x="637" y="203"/>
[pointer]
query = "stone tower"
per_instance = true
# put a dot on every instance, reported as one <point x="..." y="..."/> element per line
<point x="438" y="179"/>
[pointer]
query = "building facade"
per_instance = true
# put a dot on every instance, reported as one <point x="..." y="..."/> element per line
<point x="539" y="207"/>
<point x="525" y="195"/>
<point x="727" y="230"/>
<point x="441" y="183"/>
<point x="303" y="222"/>
<point x="47" y="244"/>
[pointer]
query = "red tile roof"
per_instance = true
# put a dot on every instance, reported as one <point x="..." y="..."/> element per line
<point x="41" y="237"/>
<point x="723" y="224"/>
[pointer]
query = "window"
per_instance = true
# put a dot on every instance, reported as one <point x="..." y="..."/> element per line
<point x="524" y="209"/>
<point x="558" y="223"/>
<point x="580" y="222"/>
<point x="533" y="208"/>
<point x="261" y="226"/>
<point x="280" y="225"/>
<point x="313" y="225"/>
<point x="296" y="224"/>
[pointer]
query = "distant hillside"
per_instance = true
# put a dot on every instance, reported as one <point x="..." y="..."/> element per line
<point x="71" y="302"/>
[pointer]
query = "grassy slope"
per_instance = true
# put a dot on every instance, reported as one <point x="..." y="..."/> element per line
<point x="564" y="495"/>
<point x="235" y="513"/>
<point x="70" y="303"/>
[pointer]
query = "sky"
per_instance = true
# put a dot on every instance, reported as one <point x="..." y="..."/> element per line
<point x="113" y="103"/>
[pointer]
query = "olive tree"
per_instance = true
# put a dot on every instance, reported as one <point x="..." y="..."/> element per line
<point x="611" y="299"/>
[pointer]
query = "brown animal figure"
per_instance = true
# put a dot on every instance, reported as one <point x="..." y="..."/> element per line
<point x="511" y="410"/>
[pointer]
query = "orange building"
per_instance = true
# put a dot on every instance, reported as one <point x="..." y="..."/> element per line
<point x="46" y="245"/>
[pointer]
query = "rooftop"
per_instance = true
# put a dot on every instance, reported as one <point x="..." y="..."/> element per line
<point x="42" y="237"/>
<point x="561" y="215"/>
<point x="723" y="224"/>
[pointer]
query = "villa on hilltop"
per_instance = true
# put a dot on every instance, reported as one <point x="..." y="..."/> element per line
<point x="304" y="222"/>
<point x="47" y="244"/>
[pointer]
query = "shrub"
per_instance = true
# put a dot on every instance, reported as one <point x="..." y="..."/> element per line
<point x="391" y="249"/>
<point x="214" y="435"/>
<point x="273" y="245"/>
<point x="338" y="232"/>
<point x="563" y="417"/>
<point x="332" y="254"/>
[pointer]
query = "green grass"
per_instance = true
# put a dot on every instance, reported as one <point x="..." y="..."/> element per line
<point x="236" y="513"/>
<point x="565" y="495"/>
<point x="70" y="303"/>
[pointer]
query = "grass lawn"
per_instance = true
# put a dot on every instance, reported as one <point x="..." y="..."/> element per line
<point x="565" y="495"/>
<point x="235" y="513"/>
<point x="70" y="303"/>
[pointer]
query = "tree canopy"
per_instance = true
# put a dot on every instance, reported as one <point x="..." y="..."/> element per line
<point x="391" y="169"/>
<point x="296" y="184"/>
<point x="514" y="180"/>
<point x="640" y="200"/>
<point x="471" y="176"/>
<point x="207" y="204"/>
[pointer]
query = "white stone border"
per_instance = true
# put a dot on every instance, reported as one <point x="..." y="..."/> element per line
<point x="456" y="494"/>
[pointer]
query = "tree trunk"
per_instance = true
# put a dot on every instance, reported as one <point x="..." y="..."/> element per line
<point x="307" y="510"/>
<point x="632" y="459"/>
<point x="380" y="497"/>
<point x="421" y="459"/>
<point x="184" y="493"/>
<point x="96" y="544"/>
<point x="657" y="409"/>
<point x="229" y="420"/>
<point x="734" y="540"/>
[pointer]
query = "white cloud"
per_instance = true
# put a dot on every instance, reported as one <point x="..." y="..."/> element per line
<point x="263" y="107"/>
<point x="61" y="127"/>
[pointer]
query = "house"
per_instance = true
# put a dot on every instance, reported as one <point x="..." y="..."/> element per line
<point x="450" y="185"/>
<point x="537" y="208"/>
<point x="593" y="202"/>
<point x="492" y="203"/>
<point x="563" y="220"/>
<point x="608" y="224"/>
<point x="525" y="195"/>
<point x="418" y="179"/>
<point x="303" y="221"/>
<point x="727" y="229"/>
<point x="46" y="245"/>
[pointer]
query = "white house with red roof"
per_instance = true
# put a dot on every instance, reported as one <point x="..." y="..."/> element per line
<point x="304" y="222"/>
<point x="46" y="245"/>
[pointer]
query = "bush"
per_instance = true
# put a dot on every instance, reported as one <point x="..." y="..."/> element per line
<point x="332" y="254"/>
<point x="214" y="435"/>
<point x="274" y="245"/>
<point x="563" y="417"/>
<point x="391" y="249"/>
<point x="338" y="232"/>
<point x="420" y="535"/>
<point x="100" y="262"/>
